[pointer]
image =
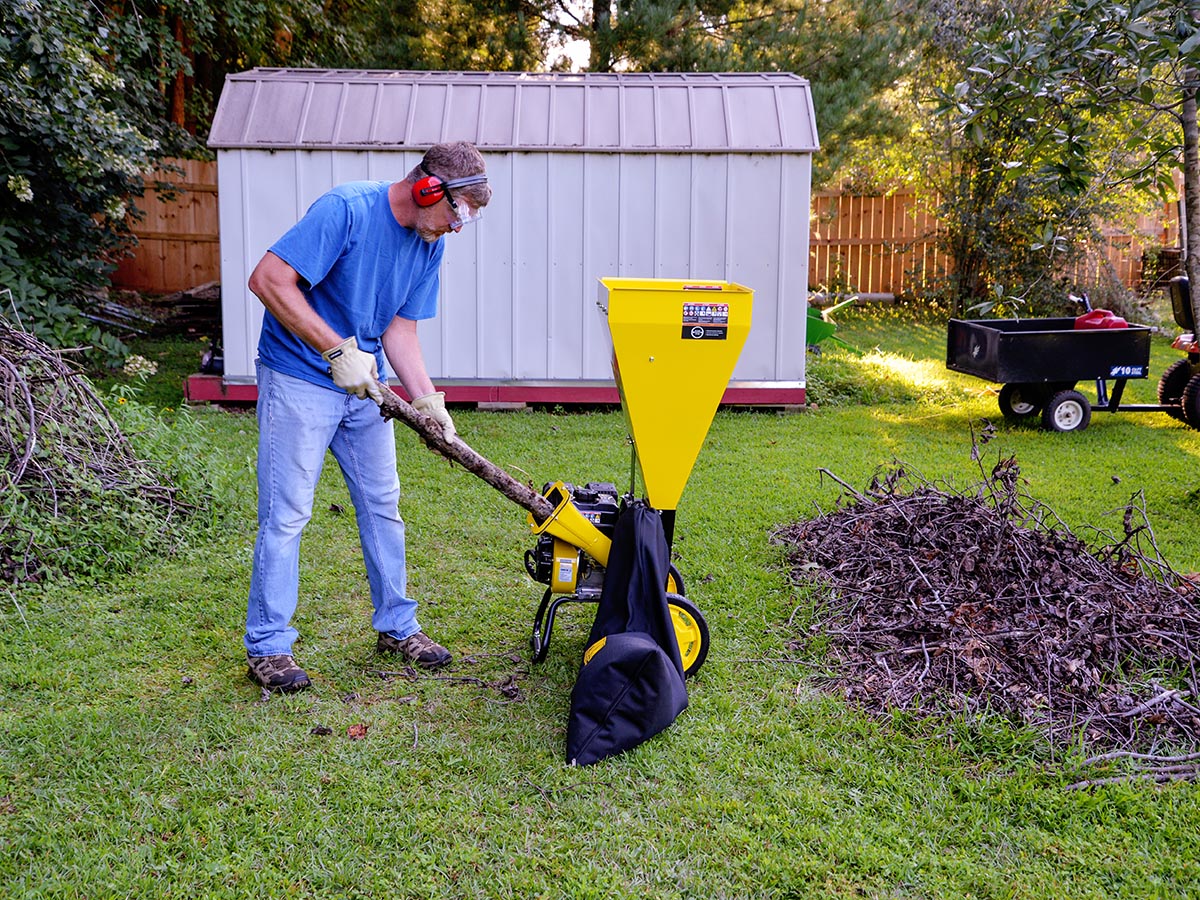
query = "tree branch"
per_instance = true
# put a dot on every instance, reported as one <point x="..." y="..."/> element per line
<point x="458" y="451"/>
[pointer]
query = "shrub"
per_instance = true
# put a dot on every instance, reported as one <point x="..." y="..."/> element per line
<point x="75" y="137"/>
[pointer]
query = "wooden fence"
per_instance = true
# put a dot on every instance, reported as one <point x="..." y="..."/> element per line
<point x="178" y="240"/>
<point x="888" y="245"/>
<point x="871" y="245"/>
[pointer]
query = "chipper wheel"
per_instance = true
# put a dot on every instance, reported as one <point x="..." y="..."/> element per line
<point x="691" y="631"/>
<point x="675" y="581"/>
<point x="1066" y="411"/>
<point x="1019" y="402"/>
<point x="1171" y="387"/>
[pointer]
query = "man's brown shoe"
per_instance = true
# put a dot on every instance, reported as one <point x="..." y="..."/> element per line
<point x="418" y="648"/>
<point x="277" y="673"/>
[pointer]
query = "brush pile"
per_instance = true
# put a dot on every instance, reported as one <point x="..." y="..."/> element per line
<point x="74" y="497"/>
<point x="983" y="601"/>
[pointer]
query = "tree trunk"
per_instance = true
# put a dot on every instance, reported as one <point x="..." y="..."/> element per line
<point x="1191" y="178"/>
<point x="179" y="85"/>
<point x="601" y="57"/>
<point x="458" y="451"/>
<point x="1191" y="189"/>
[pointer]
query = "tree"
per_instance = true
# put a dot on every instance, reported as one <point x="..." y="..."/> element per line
<point x="852" y="51"/>
<point x="181" y="50"/>
<point x="469" y="35"/>
<point x="1093" y="97"/>
<point x="187" y="47"/>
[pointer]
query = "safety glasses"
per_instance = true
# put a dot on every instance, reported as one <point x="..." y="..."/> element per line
<point x="464" y="213"/>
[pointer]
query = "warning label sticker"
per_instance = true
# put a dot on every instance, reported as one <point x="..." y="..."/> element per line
<point x="706" y="314"/>
<point x="705" y="332"/>
<point x="705" y="321"/>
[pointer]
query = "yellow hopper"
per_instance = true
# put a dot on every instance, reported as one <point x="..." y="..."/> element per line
<point x="675" y="344"/>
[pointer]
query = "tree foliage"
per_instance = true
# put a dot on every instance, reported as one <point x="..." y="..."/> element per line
<point x="851" y="51"/>
<point x="1049" y="114"/>
<point x="510" y="35"/>
<point x="189" y="46"/>
<point x="183" y="49"/>
<point x="74" y="140"/>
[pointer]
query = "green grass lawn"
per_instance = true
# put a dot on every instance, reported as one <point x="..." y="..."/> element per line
<point x="136" y="759"/>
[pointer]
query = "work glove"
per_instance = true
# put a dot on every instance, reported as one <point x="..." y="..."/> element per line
<point x="354" y="370"/>
<point x="434" y="405"/>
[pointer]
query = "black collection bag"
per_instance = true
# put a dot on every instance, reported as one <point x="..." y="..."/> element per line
<point x="630" y="685"/>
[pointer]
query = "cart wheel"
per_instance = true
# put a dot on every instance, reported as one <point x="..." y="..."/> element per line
<point x="1190" y="402"/>
<point x="691" y="631"/>
<point x="1021" y="401"/>
<point x="1067" y="411"/>
<point x="675" y="581"/>
<point x="1171" y="385"/>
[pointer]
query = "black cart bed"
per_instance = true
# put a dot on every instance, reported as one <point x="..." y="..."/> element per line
<point x="1031" y="351"/>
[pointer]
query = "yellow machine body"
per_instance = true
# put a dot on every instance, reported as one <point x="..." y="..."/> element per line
<point x="675" y="345"/>
<point x="564" y="570"/>
<point x="569" y="525"/>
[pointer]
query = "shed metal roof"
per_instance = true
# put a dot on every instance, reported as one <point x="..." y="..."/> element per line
<point x="318" y="109"/>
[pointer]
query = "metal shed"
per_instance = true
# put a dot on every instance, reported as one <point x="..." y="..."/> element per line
<point x="703" y="176"/>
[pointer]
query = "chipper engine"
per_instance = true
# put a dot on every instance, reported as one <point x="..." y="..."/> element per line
<point x="675" y="344"/>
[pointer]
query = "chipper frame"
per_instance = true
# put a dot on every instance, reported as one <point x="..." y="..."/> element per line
<point x="675" y="344"/>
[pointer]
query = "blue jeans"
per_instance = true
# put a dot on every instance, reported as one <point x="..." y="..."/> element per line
<point x="297" y="423"/>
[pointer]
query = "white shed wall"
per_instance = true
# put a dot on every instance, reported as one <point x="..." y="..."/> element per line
<point x="518" y="298"/>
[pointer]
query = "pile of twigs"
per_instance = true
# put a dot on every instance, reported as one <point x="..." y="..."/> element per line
<point x="982" y="600"/>
<point x="63" y="460"/>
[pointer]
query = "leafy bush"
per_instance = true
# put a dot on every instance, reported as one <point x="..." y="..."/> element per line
<point x="75" y="137"/>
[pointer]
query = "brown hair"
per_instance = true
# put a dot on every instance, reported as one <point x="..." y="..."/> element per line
<point x="456" y="159"/>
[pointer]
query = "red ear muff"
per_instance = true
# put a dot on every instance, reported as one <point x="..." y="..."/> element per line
<point x="428" y="190"/>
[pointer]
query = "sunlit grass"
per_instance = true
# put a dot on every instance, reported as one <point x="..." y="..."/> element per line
<point x="136" y="759"/>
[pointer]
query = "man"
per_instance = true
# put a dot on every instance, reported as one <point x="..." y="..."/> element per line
<point x="344" y="287"/>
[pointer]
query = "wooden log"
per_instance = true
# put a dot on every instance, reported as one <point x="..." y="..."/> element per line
<point x="458" y="451"/>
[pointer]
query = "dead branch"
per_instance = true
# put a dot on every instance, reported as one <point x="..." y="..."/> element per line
<point x="61" y="452"/>
<point x="458" y="451"/>
<point x="982" y="601"/>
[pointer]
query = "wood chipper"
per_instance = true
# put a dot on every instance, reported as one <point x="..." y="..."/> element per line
<point x="675" y="344"/>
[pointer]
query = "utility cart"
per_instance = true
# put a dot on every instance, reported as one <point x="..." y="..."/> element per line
<point x="1039" y="362"/>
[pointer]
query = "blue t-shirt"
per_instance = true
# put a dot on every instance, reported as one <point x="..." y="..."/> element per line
<point x="359" y="269"/>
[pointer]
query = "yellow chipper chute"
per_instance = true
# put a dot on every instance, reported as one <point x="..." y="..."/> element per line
<point x="675" y="344"/>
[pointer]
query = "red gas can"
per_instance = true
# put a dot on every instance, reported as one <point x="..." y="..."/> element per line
<point x="1100" y="318"/>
